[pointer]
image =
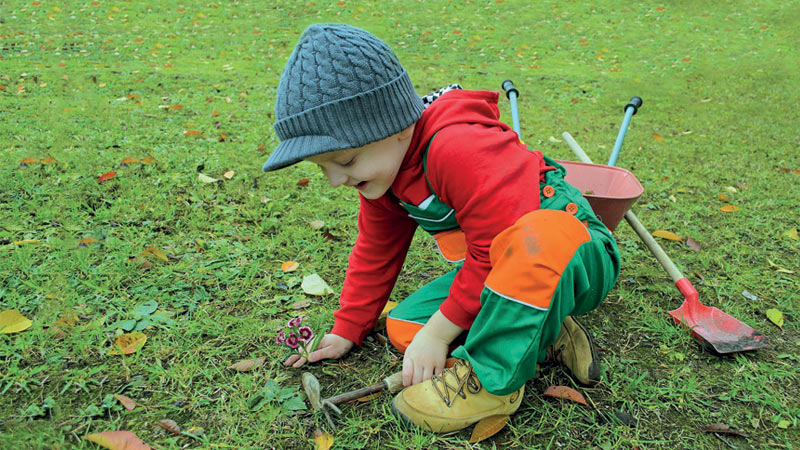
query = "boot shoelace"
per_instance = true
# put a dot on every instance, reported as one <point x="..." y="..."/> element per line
<point x="469" y="380"/>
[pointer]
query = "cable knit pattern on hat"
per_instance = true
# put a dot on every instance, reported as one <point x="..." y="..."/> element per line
<point x="342" y="87"/>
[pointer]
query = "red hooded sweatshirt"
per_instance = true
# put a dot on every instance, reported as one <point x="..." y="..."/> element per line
<point x="478" y="167"/>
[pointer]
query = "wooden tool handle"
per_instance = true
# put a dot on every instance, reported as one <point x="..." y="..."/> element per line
<point x="394" y="382"/>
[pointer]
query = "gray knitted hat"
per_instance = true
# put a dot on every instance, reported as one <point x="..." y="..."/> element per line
<point x="341" y="88"/>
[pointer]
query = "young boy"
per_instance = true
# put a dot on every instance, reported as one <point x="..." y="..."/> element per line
<point x="530" y="252"/>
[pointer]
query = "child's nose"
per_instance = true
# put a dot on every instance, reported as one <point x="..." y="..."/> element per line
<point x="336" y="178"/>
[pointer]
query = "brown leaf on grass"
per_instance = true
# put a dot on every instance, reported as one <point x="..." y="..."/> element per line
<point x="667" y="235"/>
<point x="125" y="161"/>
<point x="49" y="160"/>
<point x="300" y="304"/>
<point x="692" y="244"/>
<point x="724" y="197"/>
<point x="85" y="242"/>
<point x="27" y="161"/>
<point x="247" y="364"/>
<point x="128" y="343"/>
<point x="657" y="137"/>
<point x="106" y="176"/>
<point x="117" y="440"/>
<point x="61" y="326"/>
<point x="487" y="428"/>
<point x="148" y="160"/>
<point x="723" y="429"/>
<point x="222" y="137"/>
<point x="330" y="236"/>
<point x="316" y="224"/>
<point x="303" y="182"/>
<point x="729" y="208"/>
<point x="170" y="425"/>
<point x="192" y="133"/>
<point x="176" y="107"/>
<point x="126" y="401"/>
<point x="289" y="266"/>
<point x="786" y="169"/>
<point x="322" y="441"/>
<point x="566" y="393"/>
<point x="215" y="113"/>
<point x="229" y="174"/>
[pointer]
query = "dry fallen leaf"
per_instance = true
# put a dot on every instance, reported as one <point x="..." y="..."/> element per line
<point x="148" y="160"/>
<point x="692" y="244"/>
<point x="791" y="233"/>
<point x="303" y="182"/>
<point x="724" y="197"/>
<point x="27" y="161"/>
<point x="125" y="161"/>
<point x="667" y="235"/>
<point x="86" y="241"/>
<point x="170" y="425"/>
<point x="323" y="441"/>
<point x="126" y="401"/>
<point x="314" y="285"/>
<point x="117" y="440"/>
<point x="49" y="160"/>
<point x="658" y="137"/>
<point x="128" y="343"/>
<point x="300" y="304"/>
<point x="247" y="364"/>
<point x="289" y="266"/>
<point x="316" y="224"/>
<point x="11" y="321"/>
<point x="729" y="208"/>
<point x="228" y="174"/>
<point x="566" y="393"/>
<point x="487" y="428"/>
<point x="106" y="176"/>
<point x="192" y="133"/>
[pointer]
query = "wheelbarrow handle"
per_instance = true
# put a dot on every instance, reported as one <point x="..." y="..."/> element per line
<point x="630" y="110"/>
<point x="512" y="93"/>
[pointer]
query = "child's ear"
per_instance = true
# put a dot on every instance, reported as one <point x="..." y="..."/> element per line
<point x="407" y="133"/>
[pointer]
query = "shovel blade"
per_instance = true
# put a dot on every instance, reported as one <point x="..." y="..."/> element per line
<point x="723" y="332"/>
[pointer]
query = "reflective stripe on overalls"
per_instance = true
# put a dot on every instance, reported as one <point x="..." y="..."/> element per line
<point x="553" y="262"/>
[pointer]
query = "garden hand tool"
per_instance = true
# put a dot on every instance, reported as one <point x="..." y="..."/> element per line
<point x="710" y="325"/>
<point x="393" y="383"/>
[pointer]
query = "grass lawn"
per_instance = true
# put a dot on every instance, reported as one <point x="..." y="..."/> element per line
<point x="188" y="88"/>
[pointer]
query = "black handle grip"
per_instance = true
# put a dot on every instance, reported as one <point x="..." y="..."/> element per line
<point x="635" y="103"/>
<point x="508" y="86"/>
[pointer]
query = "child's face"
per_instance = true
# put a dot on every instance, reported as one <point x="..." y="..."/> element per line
<point x="371" y="169"/>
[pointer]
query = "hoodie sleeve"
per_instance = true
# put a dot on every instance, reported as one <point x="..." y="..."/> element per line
<point x="491" y="179"/>
<point x="384" y="235"/>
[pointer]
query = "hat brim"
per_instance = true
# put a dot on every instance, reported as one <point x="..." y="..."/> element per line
<point x="294" y="150"/>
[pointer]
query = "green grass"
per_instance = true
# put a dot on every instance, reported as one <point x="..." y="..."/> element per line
<point x="719" y="83"/>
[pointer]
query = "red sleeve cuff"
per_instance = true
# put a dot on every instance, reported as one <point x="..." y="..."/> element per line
<point x="456" y="314"/>
<point x="348" y="330"/>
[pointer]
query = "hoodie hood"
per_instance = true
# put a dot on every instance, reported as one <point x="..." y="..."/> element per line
<point x="453" y="107"/>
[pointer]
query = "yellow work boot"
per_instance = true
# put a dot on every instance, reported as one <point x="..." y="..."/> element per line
<point x="452" y="400"/>
<point x="574" y="349"/>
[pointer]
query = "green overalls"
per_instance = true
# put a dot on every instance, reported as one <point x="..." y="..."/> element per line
<point x="556" y="261"/>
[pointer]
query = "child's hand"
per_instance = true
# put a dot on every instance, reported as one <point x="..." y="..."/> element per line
<point x="424" y="357"/>
<point x="330" y="346"/>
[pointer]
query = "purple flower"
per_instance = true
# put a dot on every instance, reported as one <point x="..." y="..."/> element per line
<point x="292" y="340"/>
<point x="280" y="338"/>
<point x="294" y="323"/>
<point x="305" y="334"/>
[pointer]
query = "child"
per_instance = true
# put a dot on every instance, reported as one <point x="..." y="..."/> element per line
<point x="530" y="252"/>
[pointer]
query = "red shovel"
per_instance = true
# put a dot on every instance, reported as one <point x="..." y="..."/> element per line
<point x="724" y="333"/>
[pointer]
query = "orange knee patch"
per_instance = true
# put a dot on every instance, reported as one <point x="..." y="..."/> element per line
<point x="401" y="332"/>
<point x="529" y="257"/>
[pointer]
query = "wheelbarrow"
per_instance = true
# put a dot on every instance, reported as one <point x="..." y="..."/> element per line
<point x="611" y="191"/>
